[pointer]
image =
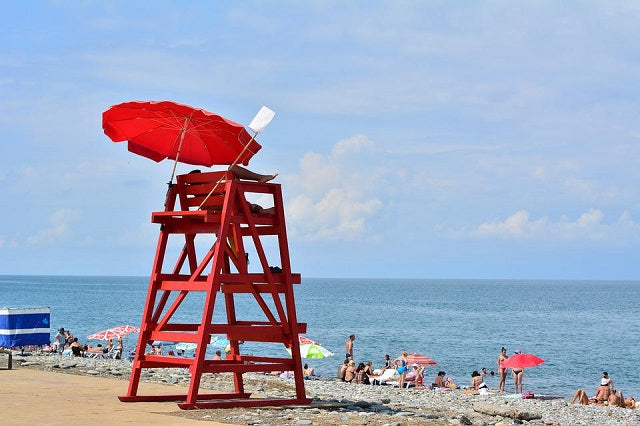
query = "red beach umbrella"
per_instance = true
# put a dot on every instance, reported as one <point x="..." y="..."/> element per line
<point x="165" y="129"/>
<point x="521" y="361"/>
<point x="419" y="359"/>
<point x="114" y="333"/>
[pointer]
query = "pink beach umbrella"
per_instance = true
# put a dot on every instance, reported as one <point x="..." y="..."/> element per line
<point x="114" y="333"/>
<point x="521" y="360"/>
<point x="420" y="359"/>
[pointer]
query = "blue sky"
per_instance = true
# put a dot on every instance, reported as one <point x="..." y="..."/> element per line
<point x="433" y="139"/>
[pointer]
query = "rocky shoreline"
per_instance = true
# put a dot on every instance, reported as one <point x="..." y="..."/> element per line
<point x="337" y="403"/>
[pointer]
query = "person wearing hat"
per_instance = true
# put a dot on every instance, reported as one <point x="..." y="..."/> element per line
<point x="61" y="339"/>
<point x="518" y="375"/>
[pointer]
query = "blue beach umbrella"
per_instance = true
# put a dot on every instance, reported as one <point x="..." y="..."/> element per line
<point x="220" y="342"/>
<point x="183" y="346"/>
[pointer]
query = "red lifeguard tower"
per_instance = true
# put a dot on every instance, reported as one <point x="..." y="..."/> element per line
<point x="214" y="206"/>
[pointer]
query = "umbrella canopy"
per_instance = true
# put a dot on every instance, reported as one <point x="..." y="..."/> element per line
<point x="311" y="349"/>
<point x="165" y="129"/>
<point x="419" y="359"/>
<point x="220" y="342"/>
<point x="183" y="346"/>
<point x="521" y="361"/>
<point x="114" y="333"/>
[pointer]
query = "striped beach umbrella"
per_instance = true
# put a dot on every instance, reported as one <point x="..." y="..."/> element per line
<point x="114" y="333"/>
<point x="420" y="359"/>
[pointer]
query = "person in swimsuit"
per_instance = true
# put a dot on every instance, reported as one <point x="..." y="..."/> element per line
<point x="477" y="381"/>
<point x="343" y="370"/>
<point x="617" y="400"/>
<point x="438" y="382"/>
<point x="348" y="347"/>
<point x="401" y="363"/>
<point x="350" y="372"/>
<point x="518" y="375"/>
<point x="502" y="371"/>
<point x="606" y="381"/>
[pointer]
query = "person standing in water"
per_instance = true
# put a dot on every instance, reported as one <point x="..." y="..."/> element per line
<point x="502" y="371"/>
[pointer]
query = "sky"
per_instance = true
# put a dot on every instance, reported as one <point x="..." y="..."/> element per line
<point x="413" y="139"/>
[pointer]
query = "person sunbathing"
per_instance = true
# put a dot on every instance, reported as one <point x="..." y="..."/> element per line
<point x="350" y="372"/>
<point x="477" y="382"/>
<point x="630" y="402"/>
<point x="601" y="396"/>
<point x="438" y="382"/>
<point x="95" y="350"/>
<point x="617" y="400"/>
<point x="76" y="348"/>
<point x="246" y="174"/>
<point x="342" y="370"/>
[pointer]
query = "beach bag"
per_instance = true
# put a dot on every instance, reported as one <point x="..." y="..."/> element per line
<point x="528" y="395"/>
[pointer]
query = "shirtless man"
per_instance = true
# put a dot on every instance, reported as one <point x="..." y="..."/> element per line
<point x="348" y="347"/>
<point x="342" y="370"/>
<point x="502" y="371"/>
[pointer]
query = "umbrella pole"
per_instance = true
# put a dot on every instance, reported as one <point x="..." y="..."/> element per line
<point x="228" y="169"/>
<point x="182" y="133"/>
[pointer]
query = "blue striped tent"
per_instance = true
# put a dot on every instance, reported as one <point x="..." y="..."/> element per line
<point x="24" y="326"/>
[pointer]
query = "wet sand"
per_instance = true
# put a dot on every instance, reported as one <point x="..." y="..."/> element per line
<point x="39" y="397"/>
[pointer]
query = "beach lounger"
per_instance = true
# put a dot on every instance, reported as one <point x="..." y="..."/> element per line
<point x="382" y="379"/>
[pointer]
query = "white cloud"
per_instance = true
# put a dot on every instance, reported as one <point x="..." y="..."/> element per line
<point x="587" y="226"/>
<point x="516" y="225"/>
<point x="334" y="198"/>
<point x="59" y="227"/>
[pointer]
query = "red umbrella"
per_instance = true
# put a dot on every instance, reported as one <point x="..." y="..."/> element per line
<point x="419" y="359"/>
<point x="114" y="333"/>
<point x="165" y="129"/>
<point x="521" y="361"/>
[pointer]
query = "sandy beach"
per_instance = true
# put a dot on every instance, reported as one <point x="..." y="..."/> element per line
<point x="30" y="396"/>
<point x="85" y="391"/>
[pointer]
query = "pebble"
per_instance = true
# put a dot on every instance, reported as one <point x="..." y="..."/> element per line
<point x="342" y="403"/>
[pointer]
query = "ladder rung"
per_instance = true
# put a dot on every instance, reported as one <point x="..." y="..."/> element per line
<point x="184" y="285"/>
<point x="167" y="336"/>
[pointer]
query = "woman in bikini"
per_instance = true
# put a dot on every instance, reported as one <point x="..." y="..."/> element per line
<point x="502" y="371"/>
<point x="518" y="375"/>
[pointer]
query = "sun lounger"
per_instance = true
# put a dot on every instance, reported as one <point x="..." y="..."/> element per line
<point x="387" y="374"/>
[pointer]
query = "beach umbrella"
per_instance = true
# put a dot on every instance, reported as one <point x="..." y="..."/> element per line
<point x="220" y="342"/>
<point x="184" y="346"/>
<point x="165" y="129"/>
<point x="114" y="333"/>
<point x="311" y="349"/>
<point x="521" y="361"/>
<point x="423" y="360"/>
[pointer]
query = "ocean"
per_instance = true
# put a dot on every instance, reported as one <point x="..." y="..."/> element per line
<point x="581" y="328"/>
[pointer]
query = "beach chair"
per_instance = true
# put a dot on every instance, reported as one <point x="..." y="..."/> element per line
<point x="382" y="379"/>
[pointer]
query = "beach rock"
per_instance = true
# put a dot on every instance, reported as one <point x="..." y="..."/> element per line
<point x="93" y="372"/>
<point x="66" y="365"/>
<point x="526" y="415"/>
<point x="363" y="404"/>
<point x="465" y="421"/>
